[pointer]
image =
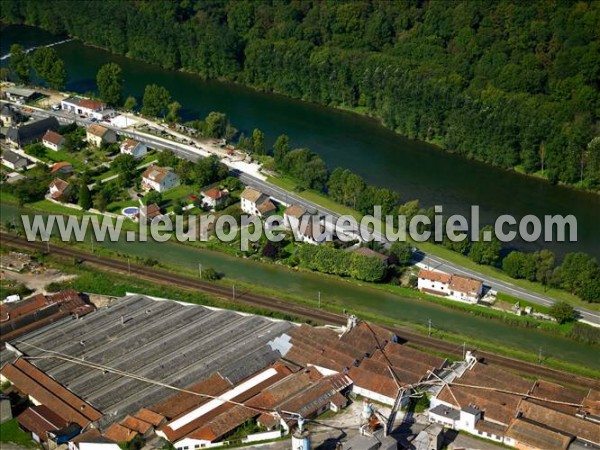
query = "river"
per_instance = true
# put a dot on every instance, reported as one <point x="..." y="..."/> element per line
<point x="345" y="294"/>
<point x="414" y="169"/>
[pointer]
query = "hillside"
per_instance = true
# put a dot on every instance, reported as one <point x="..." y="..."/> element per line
<point x="514" y="84"/>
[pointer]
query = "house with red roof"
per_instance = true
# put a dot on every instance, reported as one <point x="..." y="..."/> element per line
<point x="53" y="140"/>
<point x="61" y="167"/>
<point x="59" y="189"/>
<point x="214" y="197"/>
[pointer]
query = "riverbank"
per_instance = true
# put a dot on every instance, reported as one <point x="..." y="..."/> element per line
<point x="93" y="279"/>
<point x="383" y="158"/>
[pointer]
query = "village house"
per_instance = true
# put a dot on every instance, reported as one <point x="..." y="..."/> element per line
<point x="53" y="140"/>
<point x="160" y="179"/>
<point x="61" y="167"/>
<point x="454" y="287"/>
<point x="25" y="134"/>
<point x="84" y="106"/>
<point x="292" y="216"/>
<point x="14" y="161"/>
<point x="59" y="189"/>
<point x="254" y="202"/>
<point x="134" y="148"/>
<point x="149" y="212"/>
<point x="215" y="197"/>
<point x="98" y="135"/>
<point x="92" y="440"/>
<point x="8" y="116"/>
<point x="20" y="95"/>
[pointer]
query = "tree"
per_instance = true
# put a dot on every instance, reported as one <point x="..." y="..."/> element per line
<point x="512" y="264"/>
<point x="85" y="196"/>
<point x="49" y="67"/>
<point x="156" y="100"/>
<point x="258" y="142"/>
<point x="167" y="158"/>
<point x="125" y="165"/>
<point x="562" y="312"/>
<point x="57" y="77"/>
<point x="153" y="197"/>
<point x="215" y="125"/>
<point x="486" y="252"/>
<point x="20" y="63"/>
<point x="110" y="83"/>
<point x="4" y="72"/>
<point x="281" y="148"/>
<point x="130" y="104"/>
<point x="401" y="253"/>
<point x="101" y="200"/>
<point x="173" y="114"/>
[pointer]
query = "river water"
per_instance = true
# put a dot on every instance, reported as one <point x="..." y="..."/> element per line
<point x="344" y="294"/>
<point x="415" y="170"/>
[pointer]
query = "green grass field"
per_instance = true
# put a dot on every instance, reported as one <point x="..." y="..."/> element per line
<point x="10" y="432"/>
<point x="439" y="251"/>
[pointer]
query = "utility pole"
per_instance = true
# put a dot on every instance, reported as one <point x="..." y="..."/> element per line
<point x="319" y="299"/>
<point x="540" y="356"/>
<point x="429" y="322"/>
<point x="128" y="266"/>
<point x="200" y="270"/>
<point x="233" y="290"/>
<point x="464" y="350"/>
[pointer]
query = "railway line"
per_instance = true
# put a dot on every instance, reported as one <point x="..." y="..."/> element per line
<point x="294" y="309"/>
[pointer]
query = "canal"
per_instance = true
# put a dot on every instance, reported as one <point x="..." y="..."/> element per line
<point x="415" y="170"/>
<point x="349" y="295"/>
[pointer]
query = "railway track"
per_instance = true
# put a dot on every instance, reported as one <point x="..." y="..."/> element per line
<point x="293" y="309"/>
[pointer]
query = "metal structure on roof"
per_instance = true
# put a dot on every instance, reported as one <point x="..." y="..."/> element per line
<point x="166" y="341"/>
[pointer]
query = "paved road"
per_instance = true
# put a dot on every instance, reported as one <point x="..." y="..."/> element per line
<point x="191" y="153"/>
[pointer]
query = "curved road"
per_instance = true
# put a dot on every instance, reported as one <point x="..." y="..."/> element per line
<point x="192" y="153"/>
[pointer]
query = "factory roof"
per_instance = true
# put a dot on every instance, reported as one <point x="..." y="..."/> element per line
<point x="173" y="343"/>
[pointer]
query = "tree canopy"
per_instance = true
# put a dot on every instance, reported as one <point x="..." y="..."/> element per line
<point x="110" y="83"/>
<point x="510" y="83"/>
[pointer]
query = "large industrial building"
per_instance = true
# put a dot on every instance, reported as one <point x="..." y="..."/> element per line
<point x="145" y="368"/>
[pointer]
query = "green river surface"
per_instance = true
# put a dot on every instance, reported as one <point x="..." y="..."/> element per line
<point x="350" y="295"/>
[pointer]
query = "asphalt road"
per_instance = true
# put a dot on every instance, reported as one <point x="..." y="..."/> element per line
<point x="185" y="151"/>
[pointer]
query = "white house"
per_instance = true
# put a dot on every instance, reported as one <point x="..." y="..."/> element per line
<point x="59" y="188"/>
<point x="256" y="203"/>
<point x="215" y="197"/>
<point x="134" y="148"/>
<point x="14" y="161"/>
<point x="160" y="179"/>
<point x="83" y="106"/>
<point x="292" y="216"/>
<point x="53" y="140"/>
<point x="98" y="135"/>
<point x="454" y="287"/>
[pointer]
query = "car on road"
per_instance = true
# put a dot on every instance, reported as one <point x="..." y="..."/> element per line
<point x="93" y="119"/>
<point x="55" y="107"/>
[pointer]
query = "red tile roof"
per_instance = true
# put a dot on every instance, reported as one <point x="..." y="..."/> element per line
<point x="39" y="420"/>
<point x="53" y="137"/>
<point x="216" y="194"/>
<point x="465" y="284"/>
<point x="537" y="436"/>
<point x="375" y="383"/>
<point x="119" y="433"/>
<point x="61" y="165"/>
<point x="40" y="387"/>
<point x="135" y="424"/>
<point x="435" y="276"/>
<point x="150" y="417"/>
<point x="97" y="130"/>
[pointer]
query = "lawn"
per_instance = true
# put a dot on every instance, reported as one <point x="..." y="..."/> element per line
<point x="439" y="251"/>
<point x="10" y="432"/>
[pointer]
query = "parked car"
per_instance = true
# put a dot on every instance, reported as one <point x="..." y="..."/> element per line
<point x="55" y="107"/>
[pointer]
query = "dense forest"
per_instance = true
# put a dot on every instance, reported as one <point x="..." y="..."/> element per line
<point x="510" y="83"/>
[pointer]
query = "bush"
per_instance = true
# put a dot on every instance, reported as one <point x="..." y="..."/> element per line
<point x="562" y="312"/>
<point x="210" y="274"/>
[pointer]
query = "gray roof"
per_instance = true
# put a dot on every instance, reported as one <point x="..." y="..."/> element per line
<point x="13" y="157"/>
<point x="166" y="341"/>
<point x="471" y="410"/>
<point x="7" y="111"/>
<point x="446" y="411"/>
<point x="20" y="92"/>
<point x="29" y="132"/>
